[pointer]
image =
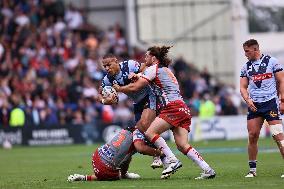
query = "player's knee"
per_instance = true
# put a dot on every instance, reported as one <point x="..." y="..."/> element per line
<point x="143" y="125"/>
<point x="276" y="129"/>
<point x="277" y="133"/>
<point x="253" y="137"/>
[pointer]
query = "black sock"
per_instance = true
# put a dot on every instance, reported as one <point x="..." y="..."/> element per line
<point x="252" y="165"/>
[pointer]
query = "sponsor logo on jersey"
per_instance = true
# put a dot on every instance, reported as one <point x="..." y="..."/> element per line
<point x="185" y="110"/>
<point x="261" y="77"/>
<point x="273" y="114"/>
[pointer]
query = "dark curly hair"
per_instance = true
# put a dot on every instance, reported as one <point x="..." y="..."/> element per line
<point x="109" y="56"/>
<point x="161" y="53"/>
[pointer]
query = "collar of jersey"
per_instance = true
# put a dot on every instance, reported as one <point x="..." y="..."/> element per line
<point x="257" y="62"/>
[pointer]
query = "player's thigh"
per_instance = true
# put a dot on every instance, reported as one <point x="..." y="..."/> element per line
<point x="147" y="117"/>
<point x="274" y="122"/>
<point x="181" y="137"/>
<point x="158" y="126"/>
<point x="254" y="125"/>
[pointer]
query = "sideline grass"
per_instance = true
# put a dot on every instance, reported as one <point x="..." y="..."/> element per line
<point x="48" y="167"/>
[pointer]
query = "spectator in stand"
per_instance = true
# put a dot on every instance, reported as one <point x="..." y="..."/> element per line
<point x="207" y="107"/>
<point x="228" y="107"/>
<point x="206" y="75"/>
<point x="48" y="59"/>
<point x="73" y="17"/>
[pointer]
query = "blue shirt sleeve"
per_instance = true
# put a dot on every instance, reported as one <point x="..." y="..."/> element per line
<point x="244" y="71"/>
<point x="276" y="66"/>
<point x="133" y="66"/>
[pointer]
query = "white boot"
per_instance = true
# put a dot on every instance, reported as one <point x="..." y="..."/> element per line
<point x="130" y="176"/>
<point x="210" y="174"/>
<point x="251" y="174"/>
<point x="174" y="165"/>
<point x="76" y="177"/>
<point x="157" y="162"/>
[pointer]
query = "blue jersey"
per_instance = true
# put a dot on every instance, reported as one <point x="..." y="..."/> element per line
<point x="260" y="74"/>
<point x="127" y="67"/>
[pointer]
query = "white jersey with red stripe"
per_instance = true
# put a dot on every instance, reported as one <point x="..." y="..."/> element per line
<point x="163" y="81"/>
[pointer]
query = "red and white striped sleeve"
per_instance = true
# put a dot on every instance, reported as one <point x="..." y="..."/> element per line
<point x="150" y="73"/>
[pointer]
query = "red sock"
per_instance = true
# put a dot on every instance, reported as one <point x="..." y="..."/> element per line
<point x="88" y="178"/>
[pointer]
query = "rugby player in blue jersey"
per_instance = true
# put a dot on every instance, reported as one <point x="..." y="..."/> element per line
<point x="261" y="79"/>
<point x="144" y="100"/>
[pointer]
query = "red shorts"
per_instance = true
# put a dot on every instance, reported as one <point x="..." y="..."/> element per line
<point x="103" y="171"/>
<point x="177" y="114"/>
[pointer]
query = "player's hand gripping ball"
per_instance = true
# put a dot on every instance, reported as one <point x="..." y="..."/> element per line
<point x="110" y="92"/>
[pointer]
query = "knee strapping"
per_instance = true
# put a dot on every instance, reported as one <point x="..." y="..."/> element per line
<point x="276" y="129"/>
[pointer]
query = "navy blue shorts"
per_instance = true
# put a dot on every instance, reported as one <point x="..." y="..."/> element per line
<point x="268" y="110"/>
<point x="140" y="106"/>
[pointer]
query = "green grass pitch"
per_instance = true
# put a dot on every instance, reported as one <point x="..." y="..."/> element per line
<point x="48" y="167"/>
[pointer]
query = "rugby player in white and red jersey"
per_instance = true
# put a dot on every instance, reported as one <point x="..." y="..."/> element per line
<point x="175" y="114"/>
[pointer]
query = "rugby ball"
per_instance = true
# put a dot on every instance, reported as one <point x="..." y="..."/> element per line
<point x="109" y="91"/>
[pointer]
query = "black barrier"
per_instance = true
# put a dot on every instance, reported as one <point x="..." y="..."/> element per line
<point x="57" y="135"/>
<point x="43" y="135"/>
<point x="14" y="135"/>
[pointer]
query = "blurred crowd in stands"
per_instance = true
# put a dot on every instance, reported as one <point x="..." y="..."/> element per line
<point x="50" y="70"/>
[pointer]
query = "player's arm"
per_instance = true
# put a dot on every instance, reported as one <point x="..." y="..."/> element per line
<point x="144" y="149"/>
<point x="244" y="87"/>
<point x="132" y="87"/>
<point x="101" y="98"/>
<point x="280" y="80"/>
<point x="104" y="100"/>
<point x="141" y="146"/>
<point x="244" y="92"/>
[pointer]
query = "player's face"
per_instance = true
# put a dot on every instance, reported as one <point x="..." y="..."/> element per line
<point x="148" y="59"/>
<point x="250" y="52"/>
<point x="111" y="65"/>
